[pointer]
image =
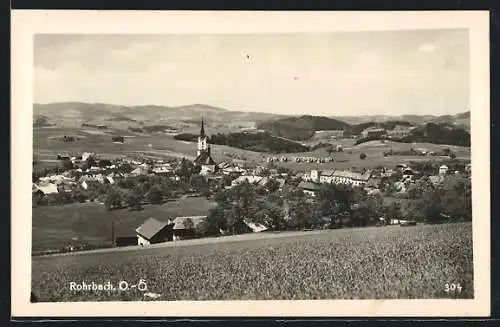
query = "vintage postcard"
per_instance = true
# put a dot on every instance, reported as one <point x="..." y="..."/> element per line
<point x="250" y="164"/>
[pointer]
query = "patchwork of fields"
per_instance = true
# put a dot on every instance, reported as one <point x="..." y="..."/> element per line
<point x="365" y="263"/>
<point x="46" y="147"/>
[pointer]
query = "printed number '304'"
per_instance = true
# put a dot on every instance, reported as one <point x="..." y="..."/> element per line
<point x="452" y="288"/>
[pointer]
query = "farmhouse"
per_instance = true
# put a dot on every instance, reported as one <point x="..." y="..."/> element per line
<point x="373" y="131"/>
<point x="309" y="188"/>
<point x="154" y="231"/>
<point x="443" y="170"/>
<point x="249" y="178"/>
<point x="339" y="177"/>
<point x="399" y="131"/>
<point x="160" y="169"/>
<point x="233" y="170"/>
<point x="350" y="177"/>
<point x="255" y="227"/>
<point x="47" y="188"/>
<point x="186" y="227"/>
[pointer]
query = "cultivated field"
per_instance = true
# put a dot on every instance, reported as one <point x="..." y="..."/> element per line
<point x="58" y="226"/>
<point x="46" y="146"/>
<point x="365" y="263"/>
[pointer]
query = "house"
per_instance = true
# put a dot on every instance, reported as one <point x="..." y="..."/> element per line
<point x="443" y="170"/>
<point x="263" y="181"/>
<point x="186" y="227"/>
<point x="255" y="227"/>
<point x="373" y="132"/>
<point x="249" y="178"/>
<point x="233" y="171"/>
<point x="350" y="177"/>
<point x="222" y="165"/>
<point x="161" y="170"/>
<point x="309" y="188"/>
<point x="326" y="176"/>
<point x="48" y="188"/>
<point x="399" y="131"/>
<point x="87" y="155"/>
<point x="153" y="231"/>
<point x="138" y="171"/>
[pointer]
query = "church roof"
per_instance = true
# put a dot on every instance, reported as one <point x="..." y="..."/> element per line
<point x="204" y="159"/>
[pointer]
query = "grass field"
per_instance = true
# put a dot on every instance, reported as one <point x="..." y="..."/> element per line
<point x="57" y="226"/>
<point x="374" y="151"/>
<point x="47" y="146"/>
<point x="365" y="263"/>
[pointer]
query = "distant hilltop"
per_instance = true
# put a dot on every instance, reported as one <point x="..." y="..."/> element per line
<point x="78" y="113"/>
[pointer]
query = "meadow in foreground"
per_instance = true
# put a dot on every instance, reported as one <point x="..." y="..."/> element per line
<point x="366" y="263"/>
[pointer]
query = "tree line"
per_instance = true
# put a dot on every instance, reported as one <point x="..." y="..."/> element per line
<point x="337" y="206"/>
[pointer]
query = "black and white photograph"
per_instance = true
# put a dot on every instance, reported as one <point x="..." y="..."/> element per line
<point x="256" y="166"/>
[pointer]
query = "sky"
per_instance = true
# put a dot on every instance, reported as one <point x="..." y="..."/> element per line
<point x="344" y="73"/>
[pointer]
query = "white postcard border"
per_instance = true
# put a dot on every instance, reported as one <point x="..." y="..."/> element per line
<point x="26" y="23"/>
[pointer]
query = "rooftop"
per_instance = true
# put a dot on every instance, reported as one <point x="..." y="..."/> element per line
<point x="310" y="186"/>
<point x="150" y="228"/>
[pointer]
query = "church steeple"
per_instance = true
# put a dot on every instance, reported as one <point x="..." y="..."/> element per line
<point x="202" y="131"/>
<point x="202" y="139"/>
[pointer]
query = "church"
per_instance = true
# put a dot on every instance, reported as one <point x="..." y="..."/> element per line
<point x="204" y="157"/>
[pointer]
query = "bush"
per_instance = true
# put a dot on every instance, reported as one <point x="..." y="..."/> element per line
<point x="362" y="156"/>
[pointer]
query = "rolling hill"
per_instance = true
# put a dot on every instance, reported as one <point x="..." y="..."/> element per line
<point x="73" y="114"/>
<point x="303" y="127"/>
<point x="456" y="119"/>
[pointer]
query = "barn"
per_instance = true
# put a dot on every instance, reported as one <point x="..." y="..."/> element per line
<point x="154" y="231"/>
<point x="126" y="240"/>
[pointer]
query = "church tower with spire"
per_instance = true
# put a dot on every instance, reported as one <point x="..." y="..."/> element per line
<point x="204" y="157"/>
<point x="202" y="139"/>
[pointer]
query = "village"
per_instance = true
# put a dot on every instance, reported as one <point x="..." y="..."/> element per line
<point x="87" y="177"/>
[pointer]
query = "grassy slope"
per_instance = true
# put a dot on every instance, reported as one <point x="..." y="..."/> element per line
<point x="55" y="226"/>
<point x="365" y="263"/>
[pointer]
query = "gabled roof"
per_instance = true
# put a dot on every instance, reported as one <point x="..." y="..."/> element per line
<point x="150" y="228"/>
<point x="204" y="159"/>
<point x="249" y="178"/>
<point x="48" y="188"/>
<point x="327" y="172"/>
<point x="180" y="222"/>
<point x="353" y="175"/>
<point x="255" y="227"/>
<point x="310" y="186"/>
